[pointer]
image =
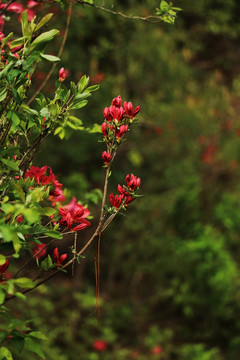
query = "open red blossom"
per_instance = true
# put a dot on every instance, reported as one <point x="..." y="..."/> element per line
<point x="115" y="200"/>
<point x="4" y="267"/>
<point x="116" y="112"/>
<point x="100" y="345"/>
<point x="58" y="260"/>
<point x="117" y="101"/>
<point x="128" y="109"/>
<point x="133" y="182"/>
<point x="157" y="350"/>
<point x="106" y="157"/>
<point x="36" y="173"/>
<point x="74" y="213"/>
<point x="39" y="251"/>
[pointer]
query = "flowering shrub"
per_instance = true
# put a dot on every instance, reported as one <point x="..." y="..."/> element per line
<point x="34" y="211"/>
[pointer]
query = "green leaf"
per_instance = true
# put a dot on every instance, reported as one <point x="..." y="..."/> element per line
<point x="51" y="58"/>
<point x="83" y="96"/>
<point x="43" y="21"/>
<point x="2" y="259"/>
<point x="24" y="282"/>
<point x="2" y="297"/>
<point x="12" y="165"/>
<point x="5" y="354"/>
<point x="164" y="6"/>
<point x="83" y="83"/>
<point x="3" y="94"/>
<point x="6" y="39"/>
<point x="31" y="215"/>
<point x="34" y="346"/>
<point x="79" y="104"/>
<point x="38" y="335"/>
<point x="47" y="211"/>
<point x="43" y="38"/>
<point x="93" y="88"/>
<point x="14" y="119"/>
<point x="54" y="234"/>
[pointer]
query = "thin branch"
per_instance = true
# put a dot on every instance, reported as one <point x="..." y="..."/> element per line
<point x="59" y="55"/>
<point x="151" y="18"/>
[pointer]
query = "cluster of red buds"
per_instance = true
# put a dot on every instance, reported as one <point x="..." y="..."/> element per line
<point x="118" y="118"/>
<point x="126" y="194"/>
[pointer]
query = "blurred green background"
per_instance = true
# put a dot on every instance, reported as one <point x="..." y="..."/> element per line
<point x="170" y="275"/>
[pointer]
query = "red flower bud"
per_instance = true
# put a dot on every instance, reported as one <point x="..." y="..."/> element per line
<point x="106" y="157"/>
<point x="62" y="74"/>
<point x="117" y="101"/>
<point x="106" y="114"/>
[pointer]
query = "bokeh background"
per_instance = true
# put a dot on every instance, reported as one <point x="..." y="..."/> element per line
<point x="170" y="274"/>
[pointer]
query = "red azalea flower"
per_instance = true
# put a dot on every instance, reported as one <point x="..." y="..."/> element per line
<point x="115" y="200"/>
<point x="121" y="131"/>
<point x="74" y="213"/>
<point x="40" y="251"/>
<point x="15" y="7"/>
<point x="106" y="114"/>
<point x="4" y="267"/>
<point x="117" y="101"/>
<point x="116" y="112"/>
<point x="58" y="261"/>
<point x="157" y="350"/>
<point x="133" y="182"/>
<point x="19" y="219"/>
<point x="100" y="345"/>
<point x="106" y="157"/>
<point x="128" y="108"/>
<point x="36" y="173"/>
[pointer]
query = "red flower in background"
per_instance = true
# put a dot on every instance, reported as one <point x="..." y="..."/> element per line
<point x="115" y="200"/>
<point x="58" y="260"/>
<point x="74" y="213"/>
<point x="40" y="251"/>
<point x="100" y="345"/>
<point x="157" y="350"/>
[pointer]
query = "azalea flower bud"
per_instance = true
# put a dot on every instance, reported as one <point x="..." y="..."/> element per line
<point x="116" y="112"/>
<point x="106" y="114"/>
<point x="104" y="128"/>
<point x="62" y="74"/>
<point x="121" y="131"/>
<point x="117" y="101"/>
<point x="106" y="156"/>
